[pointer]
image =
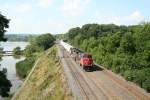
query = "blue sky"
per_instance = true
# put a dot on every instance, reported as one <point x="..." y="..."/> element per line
<point x="58" y="16"/>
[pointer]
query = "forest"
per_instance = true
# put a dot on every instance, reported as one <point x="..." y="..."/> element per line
<point x="123" y="49"/>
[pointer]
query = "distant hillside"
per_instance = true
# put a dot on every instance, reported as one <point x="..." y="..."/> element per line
<point x="18" y="37"/>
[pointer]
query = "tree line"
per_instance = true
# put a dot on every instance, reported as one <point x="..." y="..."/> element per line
<point x="18" y="37"/>
<point x="123" y="49"/>
<point x="36" y="45"/>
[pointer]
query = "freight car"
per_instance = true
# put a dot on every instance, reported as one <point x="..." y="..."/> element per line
<point x="66" y="46"/>
<point x="84" y="59"/>
<point x="76" y="53"/>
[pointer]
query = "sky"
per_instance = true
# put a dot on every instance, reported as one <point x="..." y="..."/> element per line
<point x="58" y="16"/>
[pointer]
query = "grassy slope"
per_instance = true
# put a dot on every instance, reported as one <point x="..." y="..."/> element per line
<point x="47" y="81"/>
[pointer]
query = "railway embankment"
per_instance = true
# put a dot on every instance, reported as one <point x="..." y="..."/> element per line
<point x="46" y="81"/>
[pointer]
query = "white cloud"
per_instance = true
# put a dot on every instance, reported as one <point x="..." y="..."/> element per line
<point x="14" y="12"/>
<point x="44" y="3"/>
<point x="20" y="8"/>
<point x="58" y="26"/>
<point x="23" y="8"/>
<point x="136" y="16"/>
<point x="74" y="7"/>
<point x="16" y="25"/>
<point x="133" y="18"/>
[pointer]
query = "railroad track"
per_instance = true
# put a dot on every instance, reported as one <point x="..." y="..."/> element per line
<point x="99" y="90"/>
<point x="128" y="88"/>
<point x="102" y="90"/>
<point x="89" y="89"/>
<point x="93" y="87"/>
<point x="112" y="95"/>
<point x="86" y="91"/>
<point x="124" y="85"/>
<point x="110" y="87"/>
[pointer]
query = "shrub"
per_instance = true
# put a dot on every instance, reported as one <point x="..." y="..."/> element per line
<point x="24" y="67"/>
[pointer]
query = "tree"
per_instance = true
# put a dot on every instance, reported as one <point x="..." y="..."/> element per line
<point x="5" y="84"/>
<point x="127" y="44"/>
<point x="44" y="41"/>
<point x="73" y="32"/>
<point x="3" y="25"/>
<point x="17" y="51"/>
<point x="29" y="50"/>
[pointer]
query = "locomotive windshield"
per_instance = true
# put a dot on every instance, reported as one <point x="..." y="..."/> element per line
<point x="86" y="56"/>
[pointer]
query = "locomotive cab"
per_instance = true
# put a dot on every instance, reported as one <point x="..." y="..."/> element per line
<point x="86" y="61"/>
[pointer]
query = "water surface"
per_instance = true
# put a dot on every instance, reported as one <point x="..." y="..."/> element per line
<point x="9" y="62"/>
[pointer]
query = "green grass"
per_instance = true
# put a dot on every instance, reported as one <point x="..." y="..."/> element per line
<point x="24" y="67"/>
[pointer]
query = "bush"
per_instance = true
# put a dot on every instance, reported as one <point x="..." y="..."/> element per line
<point x="146" y="85"/>
<point x="129" y="75"/>
<point x="44" y="41"/>
<point x="17" y="51"/>
<point x="39" y="44"/>
<point x="24" y="67"/>
<point x="5" y="84"/>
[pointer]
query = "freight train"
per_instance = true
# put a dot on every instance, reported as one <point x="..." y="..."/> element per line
<point x="84" y="59"/>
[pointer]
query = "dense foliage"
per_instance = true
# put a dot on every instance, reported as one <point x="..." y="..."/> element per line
<point x="3" y="25"/>
<point x="123" y="49"/>
<point x="60" y="36"/>
<point x="24" y="67"/>
<point x="5" y="84"/>
<point x="37" y="44"/>
<point x="17" y="51"/>
<point x="44" y="41"/>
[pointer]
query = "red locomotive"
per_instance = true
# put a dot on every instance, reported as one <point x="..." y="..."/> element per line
<point x="86" y="61"/>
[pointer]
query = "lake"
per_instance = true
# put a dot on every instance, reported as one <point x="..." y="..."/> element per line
<point x="9" y="62"/>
